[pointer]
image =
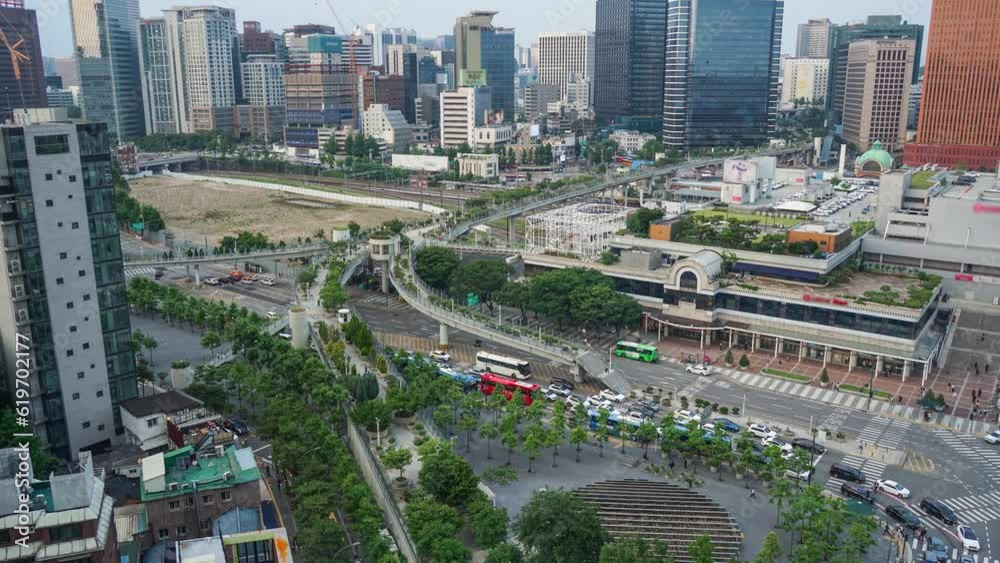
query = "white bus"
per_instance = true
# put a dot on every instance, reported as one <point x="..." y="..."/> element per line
<point x="502" y="365"/>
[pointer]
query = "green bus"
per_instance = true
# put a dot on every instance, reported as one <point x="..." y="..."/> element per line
<point x="636" y="351"/>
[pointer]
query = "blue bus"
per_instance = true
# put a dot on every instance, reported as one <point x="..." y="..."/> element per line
<point x="467" y="380"/>
<point x="614" y="422"/>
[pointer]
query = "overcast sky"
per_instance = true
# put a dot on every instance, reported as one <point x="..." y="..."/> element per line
<point x="435" y="17"/>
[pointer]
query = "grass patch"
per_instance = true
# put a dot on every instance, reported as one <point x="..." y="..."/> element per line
<point x="922" y="180"/>
<point x="762" y="219"/>
<point x="862" y="391"/>
<point x="786" y="375"/>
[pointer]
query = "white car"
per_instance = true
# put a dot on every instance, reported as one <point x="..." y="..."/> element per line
<point x="892" y="488"/>
<point x="440" y="356"/>
<point x="267" y="281"/>
<point x="968" y="536"/>
<point x="595" y="402"/>
<point x="699" y="369"/>
<point x="611" y="395"/>
<point x="572" y="401"/>
<point x="271" y="315"/>
<point x="559" y="390"/>
<point x="993" y="437"/>
<point x="784" y="446"/>
<point x="684" y="417"/>
<point x="761" y="431"/>
<point x="211" y="281"/>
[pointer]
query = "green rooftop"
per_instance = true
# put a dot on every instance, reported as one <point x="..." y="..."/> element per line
<point x="922" y="180"/>
<point x="201" y="473"/>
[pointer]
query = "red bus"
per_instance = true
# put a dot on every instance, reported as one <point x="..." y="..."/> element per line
<point x="490" y="382"/>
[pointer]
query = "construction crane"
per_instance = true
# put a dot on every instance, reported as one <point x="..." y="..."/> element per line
<point x="16" y="57"/>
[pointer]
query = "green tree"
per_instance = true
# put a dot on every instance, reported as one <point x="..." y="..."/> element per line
<point x="603" y="419"/>
<point x="578" y="436"/>
<point x="482" y="277"/>
<point x="468" y="423"/>
<point x="332" y="296"/>
<point x="398" y="459"/>
<point x="447" y="477"/>
<point x="635" y="550"/>
<point x="638" y="222"/>
<point x="505" y="553"/>
<point x="670" y="435"/>
<point x="645" y="435"/>
<point x="778" y="492"/>
<point x="556" y="526"/>
<point x="211" y="340"/>
<point x="532" y="442"/>
<point x="858" y="540"/>
<point x="701" y="550"/>
<point x="608" y="258"/>
<point x="770" y="551"/>
<point x="489" y="431"/>
<point x="489" y="524"/>
<point x="150" y="344"/>
<point x="516" y="294"/>
<point x="435" y="265"/>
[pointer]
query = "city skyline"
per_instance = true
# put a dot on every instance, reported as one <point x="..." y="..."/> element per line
<point x="529" y="19"/>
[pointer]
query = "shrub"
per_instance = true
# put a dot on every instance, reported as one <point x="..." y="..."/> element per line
<point x="729" y="357"/>
<point x="824" y="377"/>
<point x="723" y="410"/>
<point x="180" y="364"/>
<point x="735" y="411"/>
<point x="744" y="362"/>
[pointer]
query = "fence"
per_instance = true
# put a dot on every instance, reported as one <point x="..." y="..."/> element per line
<point x="319" y="194"/>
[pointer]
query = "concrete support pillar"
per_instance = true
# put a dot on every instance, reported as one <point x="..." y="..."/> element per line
<point x="755" y="343"/>
<point x="197" y="275"/>
<point x="385" y="277"/>
<point x="511" y="223"/>
<point x="732" y="335"/>
<point x="778" y="343"/>
<point x="443" y="336"/>
<point x="659" y="332"/>
<point x="878" y="366"/>
<point x="853" y="362"/>
<point x="827" y="352"/>
<point x="703" y="341"/>
<point x="802" y="350"/>
<point x="907" y="366"/>
<point x="927" y="373"/>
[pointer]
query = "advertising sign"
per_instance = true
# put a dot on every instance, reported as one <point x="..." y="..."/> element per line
<point x="473" y="78"/>
<point x="739" y="171"/>
<point x="420" y="162"/>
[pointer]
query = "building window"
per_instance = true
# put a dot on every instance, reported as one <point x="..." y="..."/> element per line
<point x="49" y="178"/>
<point x="69" y="305"/>
<point x="86" y="425"/>
<point x="75" y="225"/>
<point x="206" y="525"/>
<point x="100" y="393"/>
<point x="152" y="422"/>
<point x="86" y="345"/>
<point x="86" y="297"/>
<point x="59" y="224"/>
<point x="63" y="533"/>
<point x="227" y="496"/>
<point x="72" y="328"/>
<point x="174" y="505"/>
<point x="182" y="531"/>
<point x="51" y="144"/>
<point x="163" y="534"/>
<point x="82" y="273"/>
<point x="69" y="353"/>
<point x="62" y="255"/>
<point x="59" y="281"/>
<point x="207" y="499"/>
<point x="72" y="178"/>
<point x="80" y="375"/>
<point x="76" y="396"/>
<point x="100" y="428"/>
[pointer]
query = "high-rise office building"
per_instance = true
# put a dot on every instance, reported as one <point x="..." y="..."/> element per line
<point x="875" y="27"/>
<point x="804" y="80"/>
<point x="960" y="105"/>
<point x="877" y="92"/>
<point x="629" y="41"/>
<point x="63" y="283"/>
<point x="296" y="41"/>
<point x="565" y="55"/>
<point x="156" y="67"/>
<point x="105" y="38"/>
<point x="484" y="56"/>
<point x="523" y="56"/>
<point x="263" y="81"/>
<point x="24" y="88"/>
<point x="205" y="52"/>
<point x="317" y="97"/>
<point x="721" y="84"/>
<point x="69" y="71"/>
<point x="382" y="38"/>
<point x="255" y="41"/>
<point x="813" y="41"/>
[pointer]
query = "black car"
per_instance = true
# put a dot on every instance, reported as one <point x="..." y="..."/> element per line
<point x="903" y="515"/>
<point x="847" y="473"/>
<point x="646" y="411"/>
<point x="808" y="444"/>
<point x="225" y="280"/>
<point x="858" y="492"/>
<point x="934" y="507"/>
<point x="564" y="382"/>
<point x="655" y="407"/>
<point x="238" y="426"/>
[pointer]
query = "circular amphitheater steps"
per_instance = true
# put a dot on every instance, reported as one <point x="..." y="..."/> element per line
<point x="661" y="511"/>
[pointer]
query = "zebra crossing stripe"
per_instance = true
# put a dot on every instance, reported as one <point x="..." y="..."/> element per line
<point x="816" y="394"/>
<point x="804" y="391"/>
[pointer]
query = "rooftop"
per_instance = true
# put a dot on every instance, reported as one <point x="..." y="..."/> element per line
<point x="167" y="403"/>
<point x="186" y="472"/>
<point x="821" y="228"/>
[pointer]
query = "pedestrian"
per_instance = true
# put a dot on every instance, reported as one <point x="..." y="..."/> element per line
<point x="753" y="492"/>
<point x="980" y="393"/>
<point x="977" y="367"/>
<point x="987" y="370"/>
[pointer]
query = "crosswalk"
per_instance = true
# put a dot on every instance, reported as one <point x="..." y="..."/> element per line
<point x="919" y="546"/>
<point x="884" y="432"/>
<point x="976" y="508"/>
<point x="390" y="303"/>
<point x="985" y="458"/>
<point x="148" y="271"/>
<point x="872" y="469"/>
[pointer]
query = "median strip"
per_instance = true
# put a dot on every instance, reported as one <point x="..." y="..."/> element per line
<point x="787" y="375"/>
<point x="863" y="391"/>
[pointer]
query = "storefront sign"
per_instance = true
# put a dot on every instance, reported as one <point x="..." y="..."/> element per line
<point x="822" y="299"/>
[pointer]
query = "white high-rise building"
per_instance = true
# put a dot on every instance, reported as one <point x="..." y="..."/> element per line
<point x="203" y="40"/>
<point x="564" y="55"/>
<point x="813" y="41"/>
<point x="263" y="81"/>
<point x="462" y="110"/>
<point x="387" y="125"/>
<point x="804" y="79"/>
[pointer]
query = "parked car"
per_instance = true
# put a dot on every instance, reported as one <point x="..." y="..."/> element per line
<point x="761" y="431"/>
<point x="564" y="382"/>
<point x="699" y="369"/>
<point x="728" y="425"/>
<point x="903" y="515"/>
<point x="572" y="401"/>
<point x="968" y="536"/>
<point x="646" y="411"/>
<point x="211" y="281"/>
<point x="892" y="487"/>
<point x="239" y="427"/>
<point x="267" y="281"/>
<point x="937" y="509"/>
<point x="611" y="395"/>
<point x="857" y="492"/>
<point x="993" y="437"/>
<point x="655" y="407"/>
<point x="246" y="281"/>
<point x="847" y="473"/>
<point x="808" y="444"/>
<point x="559" y="390"/>
<point x="966" y="558"/>
<point x="225" y="280"/>
<point x="775" y="441"/>
<point x="440" y="356"/>
<point x="685" y="416"/>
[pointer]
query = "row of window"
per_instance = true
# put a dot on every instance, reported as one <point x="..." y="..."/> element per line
<point x="188" y="502"/>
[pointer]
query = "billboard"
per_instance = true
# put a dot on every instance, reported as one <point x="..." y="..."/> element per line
<point x="740" y="171"/>
<point x="420" y="162"/>
<point x="473" y="78"/>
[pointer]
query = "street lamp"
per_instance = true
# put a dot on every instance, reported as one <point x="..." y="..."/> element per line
<point x="351" y="545"/>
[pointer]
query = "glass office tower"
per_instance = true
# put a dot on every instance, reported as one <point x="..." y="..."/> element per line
<point x="721" y="72"/>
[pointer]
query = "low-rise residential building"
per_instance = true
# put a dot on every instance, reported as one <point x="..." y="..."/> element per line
<point x="69" y="517"/>
<point x="479" y="165"/>
<point x="156" y="423"/>
<point x="185" y="491"/>
<point x="630" y="141"/>
<point x="387" y="125"/>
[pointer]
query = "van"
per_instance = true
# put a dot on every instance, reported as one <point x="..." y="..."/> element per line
<point x="847" y="473"/>
<point x="857" y="492"/>
<point x="934" y="507"/>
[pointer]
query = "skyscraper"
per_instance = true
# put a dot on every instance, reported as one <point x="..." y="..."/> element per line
<point x="263" y="81"/>
<point x="64" y="286"/>
<point x="960" y="104"/>
<point x="105" y="38"/>
<point x="484" y="55"/>
<point x="877" y="92"/>
<point x="813" y="41"/>
<point x="721" y="84"/>
<point x="563" y="56"/>
<point x="26" y="88"/>
<point x="629" y="41"/>
<point x="159" y="97"/>
<point x="875" y="27"/>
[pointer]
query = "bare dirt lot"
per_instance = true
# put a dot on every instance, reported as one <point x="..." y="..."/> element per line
<point x="214" y="210"/>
